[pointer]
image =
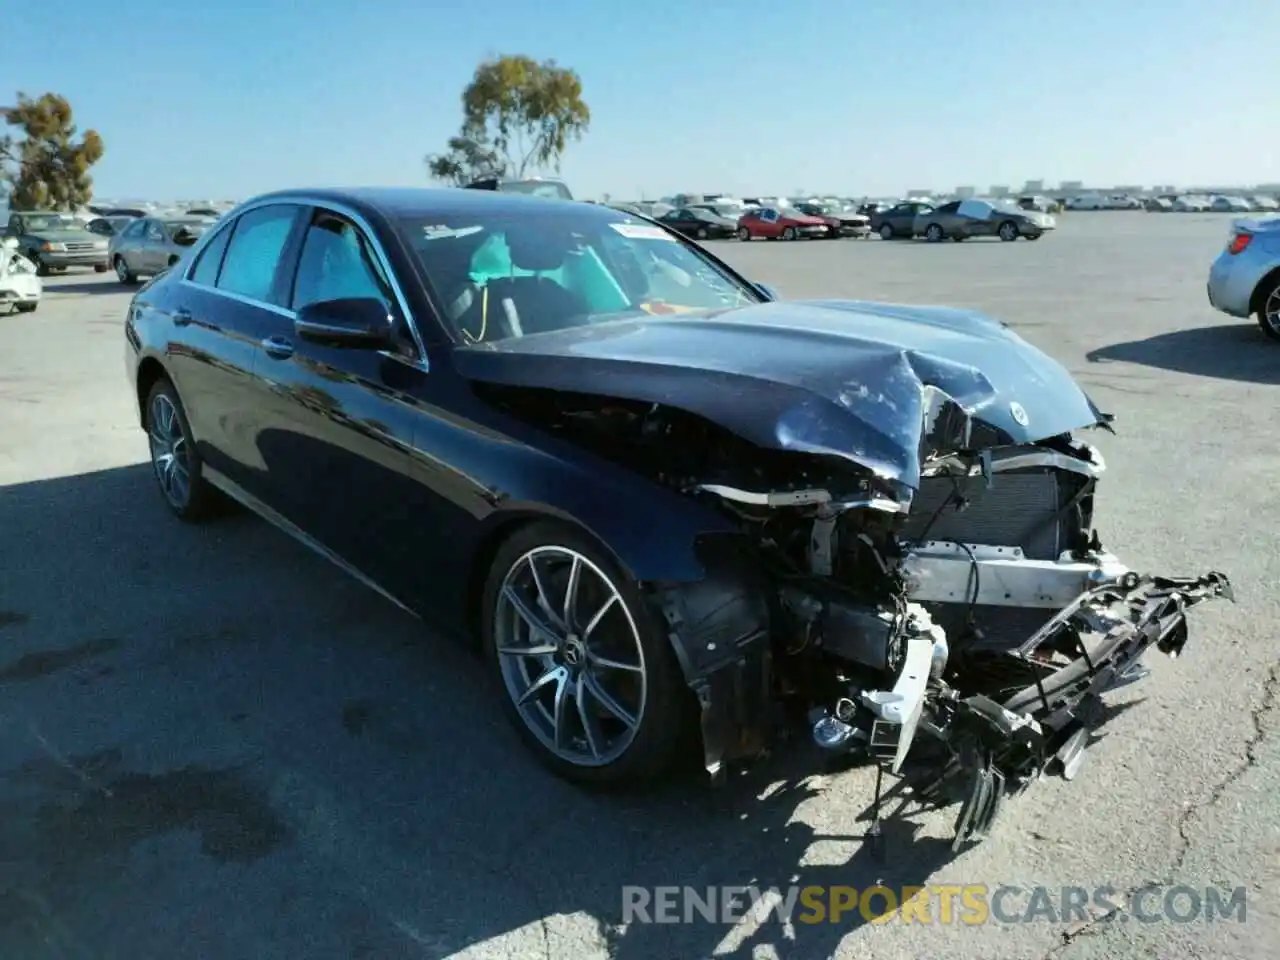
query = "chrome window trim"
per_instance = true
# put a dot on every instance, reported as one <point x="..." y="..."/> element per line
<point x="342" y="210"/>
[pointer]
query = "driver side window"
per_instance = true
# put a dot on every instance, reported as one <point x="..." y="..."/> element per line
<point x="336" y="263"/>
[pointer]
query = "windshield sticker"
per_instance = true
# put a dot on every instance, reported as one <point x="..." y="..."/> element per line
<point x="433" y="231"/>
<point x="642" y="231"/>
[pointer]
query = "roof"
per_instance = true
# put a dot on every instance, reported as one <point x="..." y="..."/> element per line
<point x="395" y="202"/>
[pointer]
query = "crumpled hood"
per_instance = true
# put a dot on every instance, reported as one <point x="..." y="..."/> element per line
<point x="883" y="385"/>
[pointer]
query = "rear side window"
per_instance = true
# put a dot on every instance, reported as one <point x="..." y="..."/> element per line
<point x="206" y="268"/>
<point x="249" y="267"/>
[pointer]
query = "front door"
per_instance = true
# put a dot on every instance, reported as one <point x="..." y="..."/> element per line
<point x="340" y="421"/>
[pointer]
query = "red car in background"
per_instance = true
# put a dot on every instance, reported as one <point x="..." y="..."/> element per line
<point x="773" y="223"/>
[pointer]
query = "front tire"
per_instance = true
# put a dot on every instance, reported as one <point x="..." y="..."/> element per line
<point x="789" y="233"/>
<point x="744" y="234"/>
<point x="886" y="231"/>
<point x="175" y="463"/>
<point x="585" y="673"/>
<point x="26" y="307"/>
<point x="42" y="268"/>
<point x="933" y="233"/>
<point x="1008" y="231"/>
<point x="701" y="233"/>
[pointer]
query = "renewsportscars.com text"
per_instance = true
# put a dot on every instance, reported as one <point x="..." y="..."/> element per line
<point x="962" y="904"/>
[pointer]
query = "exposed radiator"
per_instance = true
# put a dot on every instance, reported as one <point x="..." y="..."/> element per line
<point x="1020" y="509"/>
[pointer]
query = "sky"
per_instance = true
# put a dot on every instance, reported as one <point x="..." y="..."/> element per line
<point x="747" y="97"/>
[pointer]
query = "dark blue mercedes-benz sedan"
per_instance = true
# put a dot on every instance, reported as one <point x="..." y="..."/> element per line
<point x="669" y="506"/>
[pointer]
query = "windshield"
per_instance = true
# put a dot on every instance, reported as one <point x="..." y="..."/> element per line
<point x="501" y="276"/>
<point x="51" y="221"/>
<point x="815" y="209"/>
<point x="190" y="226"/>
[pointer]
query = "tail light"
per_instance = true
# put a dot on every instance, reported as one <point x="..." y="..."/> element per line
<point x="1239" y="243"/>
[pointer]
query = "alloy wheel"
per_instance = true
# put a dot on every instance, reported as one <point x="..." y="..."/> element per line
<point x="122" y="270"/>
<point x="169" y="450"/>
<point x="1008" y="232"/>
<point x="570" y="656"/>
<point x="1271" y="311"/>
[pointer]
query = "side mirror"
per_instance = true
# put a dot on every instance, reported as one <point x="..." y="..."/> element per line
<point x="356" y="322"/>
<point x="768" y="292"/>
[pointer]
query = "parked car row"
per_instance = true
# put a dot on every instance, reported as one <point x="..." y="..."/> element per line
<point x="1175" y="203"/>
<point x="961" y="220"/>
<point x="133" y="246"/>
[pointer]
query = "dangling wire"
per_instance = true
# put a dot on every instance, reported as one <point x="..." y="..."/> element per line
<point x="484" y="317"/>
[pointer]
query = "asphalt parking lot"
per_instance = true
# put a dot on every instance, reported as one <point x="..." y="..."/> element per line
<point x="215" y="745"/>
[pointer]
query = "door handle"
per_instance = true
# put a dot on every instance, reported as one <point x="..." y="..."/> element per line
<point x="278" y="347"/>
<point x="181" y="317"/>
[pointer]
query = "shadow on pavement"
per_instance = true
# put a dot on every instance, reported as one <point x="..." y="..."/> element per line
<point x="216" y="744"/>
<point x="1226" y="351"/>
<point x="105" y="283"/>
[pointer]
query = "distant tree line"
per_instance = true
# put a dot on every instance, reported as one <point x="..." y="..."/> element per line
<point x="44" y="160"/>
<point x="518" y="115"/>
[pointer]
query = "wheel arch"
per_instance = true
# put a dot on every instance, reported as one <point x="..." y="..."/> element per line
<point x="150" y="372"/>
<point x="1261" y="289"/>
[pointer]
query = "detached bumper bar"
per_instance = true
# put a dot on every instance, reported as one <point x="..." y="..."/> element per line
<point x="1046" y="726"/>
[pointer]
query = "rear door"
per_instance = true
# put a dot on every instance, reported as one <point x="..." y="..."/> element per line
<point x="231" y="298"/>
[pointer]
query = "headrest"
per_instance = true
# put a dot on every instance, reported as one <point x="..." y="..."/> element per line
<point x="544" y="247"/>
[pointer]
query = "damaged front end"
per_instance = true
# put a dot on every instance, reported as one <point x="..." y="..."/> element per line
<point x="961" y="635"/>
<point x="914" y="576"/>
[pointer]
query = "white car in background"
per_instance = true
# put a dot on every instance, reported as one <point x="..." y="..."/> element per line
<point x="1087" y="201"/>
<point x="1263" y="203"/>
<point x="20" y="287"/>
<point x="1191" y="204"/>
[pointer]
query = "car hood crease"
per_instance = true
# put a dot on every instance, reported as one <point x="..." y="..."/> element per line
<point x="882" y="385"/>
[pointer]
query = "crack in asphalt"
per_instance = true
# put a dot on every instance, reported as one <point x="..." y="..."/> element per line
<point x="1257" y="716"/>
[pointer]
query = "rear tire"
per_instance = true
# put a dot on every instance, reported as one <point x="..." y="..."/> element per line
<point x="123" y="273"/>
<point x="100" y="268"/>
<point x="42" y="269"/>
<point x="744" y="234"/>
<point x="789" y="233"/>
<point x="26" y="307"/>
<point x="652" y="691"/>
<point x="175" y="462"/>
<point x="886" y="231"/>
<point x="933" y="233"/>
<point x="1268" y="312"/>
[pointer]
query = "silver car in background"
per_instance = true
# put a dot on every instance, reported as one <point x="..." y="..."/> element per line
<point x="1245" y="279"/>
<point x="151" y="245"/>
